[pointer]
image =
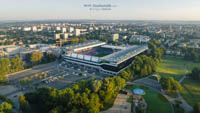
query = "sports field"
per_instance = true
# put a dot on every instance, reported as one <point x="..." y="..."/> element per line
<point x="97" y="51"/>
<point x="175" y="67"/>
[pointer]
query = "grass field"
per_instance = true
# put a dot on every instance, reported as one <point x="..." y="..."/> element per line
<point x="101" y="55"/>
<point x="191" y="91"/>
<point x="156" y="102"/>
<point x="175" y="67"/>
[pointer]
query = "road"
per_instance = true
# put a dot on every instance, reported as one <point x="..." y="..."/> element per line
<point x="37" y="69"/>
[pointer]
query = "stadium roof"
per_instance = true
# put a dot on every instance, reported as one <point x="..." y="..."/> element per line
<point x="125" y="54"/>
<point x="85" y="45"/>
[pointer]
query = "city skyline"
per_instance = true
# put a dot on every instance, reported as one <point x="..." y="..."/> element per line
<point x="124" y="10"/>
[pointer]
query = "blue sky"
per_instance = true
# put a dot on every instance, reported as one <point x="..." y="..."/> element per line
<point x="126" y="9"/>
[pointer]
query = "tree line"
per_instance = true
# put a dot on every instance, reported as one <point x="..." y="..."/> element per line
<point x="86" y="96"/>
<point x="170" y="85"/>
<point x="40" y="58"/>
<point x="144" y="64"/>
<point x="195" y="74"/>
<point x="16" y="64"/>
<point x="191" y="54"/>
<point x="9" y="66"/>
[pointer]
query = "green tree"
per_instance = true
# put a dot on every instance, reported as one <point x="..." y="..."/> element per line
<point x="5" y="108"/>
<point x="17" y="64"/>
<point x="169" y="84"/>
<point x="94" y="105"/>
<point x="36" y="57"/>
<point x="195" y="75"/>
<point x="96" y="85"/>
<point x="24" y="105"/>
<point x="197" y="108"/>
<point x="125" y="75"/>
<point x="4" y="68"/>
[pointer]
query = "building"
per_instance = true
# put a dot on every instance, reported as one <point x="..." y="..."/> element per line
<point x="64" y="35"/>
<point x="182" y="45"/>
<point x="100" y="58"/>
<point x="77" y="32"/>
<point x="114" y="37"/>
<point x="195" y="40"/>
<point x="64" y="30"/>
<point x="139" y="39"/>
<point x="34" y="28"/>
<point x="70" y="29"/>
<point x="10" y="50"/>
<point x="56" y="36"/>
<point x="27" y="29"/>
<point x="58" y="28"/>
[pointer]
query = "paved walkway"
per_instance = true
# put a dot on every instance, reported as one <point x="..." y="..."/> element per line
<point x="120" y="105"/>
<point x="184" y="104"/>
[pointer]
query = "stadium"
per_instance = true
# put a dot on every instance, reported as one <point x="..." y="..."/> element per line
<point x="98" y="57"/>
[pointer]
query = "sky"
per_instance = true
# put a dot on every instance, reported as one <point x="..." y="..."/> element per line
<point x="124" y="10"/>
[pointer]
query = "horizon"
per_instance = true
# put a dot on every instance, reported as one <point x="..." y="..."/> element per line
<point x="29" y="10"/>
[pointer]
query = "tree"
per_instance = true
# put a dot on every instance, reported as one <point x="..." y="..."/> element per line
<point x="195" y="75"/>
<point x="24" y="105"/>
<point x="36" y="57"/>
<point x="96" y="85"/>
<point x="169" y="84"/>
<point x="17" y="64"/>
<point x="83" y="97"/>
<point x="4" y="68"/>
<point x="195" y="56"/>
<point x="94" y="105"/>
<point x="197" y="108"/>
<point x="125" y="75"/>
<point x="5" y="108"/>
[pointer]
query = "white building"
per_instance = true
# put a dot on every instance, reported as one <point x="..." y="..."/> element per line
<point x="139" y="38"/>
<point x="27" y="29"/>
<point x="182" y="45"/>
<point x="77" y="32"/>
<point x="11" y="50"/>
<point x="70" y="29"/>
<point x="58" y="28"/>
<point x="56" y="36"/>
<point x="114" y="37"/>
<point x="64" y="30"/>
<point x="34" y="29"/>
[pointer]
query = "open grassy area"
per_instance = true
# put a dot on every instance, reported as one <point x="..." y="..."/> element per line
<point x="191" y="91"/>
<point x="176" y="67"/>
<point x="156" y="102"/>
